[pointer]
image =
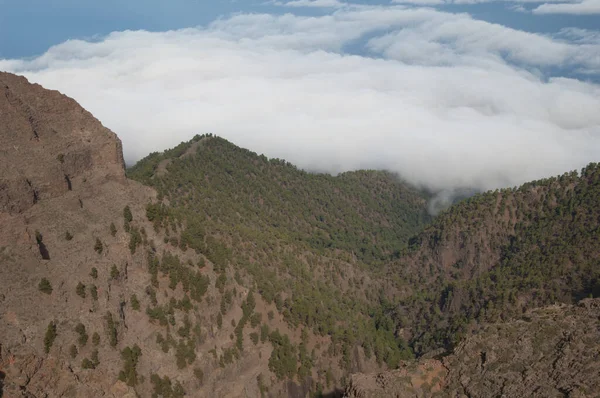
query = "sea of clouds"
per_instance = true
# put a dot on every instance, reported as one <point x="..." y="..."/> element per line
<point x="441" y="98"/>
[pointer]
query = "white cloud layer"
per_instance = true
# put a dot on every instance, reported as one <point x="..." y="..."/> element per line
<point x="445" y="100"/>
<point x="578" y="8"/>
<point x="310" y="3"/>
<point x="463" y="2"/>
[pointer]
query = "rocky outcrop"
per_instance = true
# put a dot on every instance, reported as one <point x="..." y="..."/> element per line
<point x="413" y="379"/>
<point x="48" y="141"/>
<point x="549" y="352"/>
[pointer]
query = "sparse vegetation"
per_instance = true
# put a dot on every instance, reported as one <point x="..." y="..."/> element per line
<point x="114" y="272"/>
<point x="98" y="246"/>
<point x="94" y="292"/>
<point x="127" y="217"/>
<point x="50" y="336"/>
<point x="44" y="286"/>
<point x="83" y="336"/>
<point x="73" y="351"/>
<point x="163" y="387"/>
<point x="135" y="304"/>
<point x="130" y="357"/>
<point x="111" y="329"/>
<point x="80" y="290"/>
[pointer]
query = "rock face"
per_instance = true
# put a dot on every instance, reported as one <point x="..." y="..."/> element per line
<point x="62" y="183"/>
<point x="419" y="379"/>
<point x="550" y="352"/>
<point x="48" y="140"/>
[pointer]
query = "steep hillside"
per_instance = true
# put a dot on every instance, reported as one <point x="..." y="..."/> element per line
<point x="367" y="214"/>
<point x="208" y="285"/>
<point x="497" y="254"/>
<point x="548" y="352"/>
<point x="310" y="243"/>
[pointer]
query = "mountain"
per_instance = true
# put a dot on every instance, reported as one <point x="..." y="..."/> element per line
<point x="203" y="282"/>
<point x="497" y="254"/>
<point x="208" y="270"/>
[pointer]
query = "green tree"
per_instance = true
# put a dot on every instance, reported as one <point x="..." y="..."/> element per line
<point x="114" y="272"/>
<point x="50" y="336"/>
<point x="73" y="351"/>
<point x="135" y="304"/>
<point x="94" y="292"/>
<point x="80" y="290"/>
<point x="130" y="357"/>
<point x="98" y="246"/>
<point x="44" y="286"/>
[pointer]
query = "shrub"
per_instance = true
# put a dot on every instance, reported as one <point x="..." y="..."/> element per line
<point x="199" y="375"/>
<point x="130" y="358"/>
<point x="94" y="273"/>
<point x="95" y="339"/>
<point x="68" y="235"/>
<point x="87" y="364"/>
<point x="127" y="215"/>
<point x="98" y="247"/>
<point x="50" y="337"/>
<point x="135" y="240"/>
<point x="113" y="229"/>
<point x="94" y="292"/>
<point x="111" y="329"/>
<point x="95" y="359"/>
<point x="80" y="290"/>
<point x="135" y="304"/>
<point x="83" y="336"/>
<point x="45" y="286"/>
<point x="73" y="351"/>
<point x="114" y="272"/>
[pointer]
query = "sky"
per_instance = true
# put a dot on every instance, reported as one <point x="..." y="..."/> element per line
<point x="449" y="94"/>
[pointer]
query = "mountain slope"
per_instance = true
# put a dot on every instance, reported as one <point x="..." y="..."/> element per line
<point x="499" y="253"/>
<point x="112" y="288"/>
<point x="366" y="213"/>
<point x="548" y="352"/>
<point x="311" y="243"/>
<point x="223" y="273"/>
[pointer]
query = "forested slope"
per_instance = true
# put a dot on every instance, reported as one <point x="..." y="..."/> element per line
<point x="497" y="254"/>
<point x="311" y="243"/>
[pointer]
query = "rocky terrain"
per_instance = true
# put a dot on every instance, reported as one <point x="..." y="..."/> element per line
<point x="549" y="352"/>
<point x="208" y="270"/>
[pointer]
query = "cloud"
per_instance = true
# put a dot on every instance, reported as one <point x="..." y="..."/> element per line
<point x="467" y="2"/>
<point x="579" y="8"/>
<point x="311" y="3"/>
<point x="443" y="99"/>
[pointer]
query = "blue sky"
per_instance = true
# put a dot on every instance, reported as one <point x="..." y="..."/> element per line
<point x="30" y="27"/>
<point x="447" y="93"/>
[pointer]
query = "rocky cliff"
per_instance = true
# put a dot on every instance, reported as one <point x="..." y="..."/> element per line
<point x="549" y="352"/>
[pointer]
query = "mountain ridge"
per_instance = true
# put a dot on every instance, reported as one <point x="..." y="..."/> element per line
<point x="230" y="274"/>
